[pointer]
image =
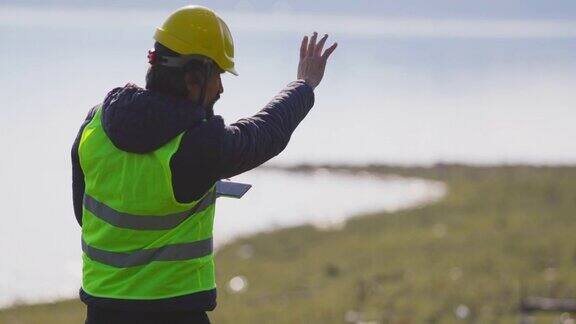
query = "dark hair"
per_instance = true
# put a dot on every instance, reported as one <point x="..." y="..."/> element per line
<point x="171" y="80"/>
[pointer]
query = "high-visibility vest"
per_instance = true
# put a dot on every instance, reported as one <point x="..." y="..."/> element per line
<point x="138" y="242"/>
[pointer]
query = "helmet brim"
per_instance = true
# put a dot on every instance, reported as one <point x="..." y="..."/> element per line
<point x="233" y="71"/>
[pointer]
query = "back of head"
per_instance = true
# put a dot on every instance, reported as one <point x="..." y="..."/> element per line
<point x="193" y="40"/>
<point x="171" y="80"/>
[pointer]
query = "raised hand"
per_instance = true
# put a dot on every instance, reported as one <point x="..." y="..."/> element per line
<point x="312" y="60"/>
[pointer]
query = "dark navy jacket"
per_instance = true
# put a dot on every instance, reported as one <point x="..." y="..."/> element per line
<point x="139" y="121"/>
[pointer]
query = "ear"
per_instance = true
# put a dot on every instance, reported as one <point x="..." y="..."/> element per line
<point x="192" y="86"/>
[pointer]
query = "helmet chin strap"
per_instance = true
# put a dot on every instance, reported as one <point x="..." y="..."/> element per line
<point x="208" y="70"/>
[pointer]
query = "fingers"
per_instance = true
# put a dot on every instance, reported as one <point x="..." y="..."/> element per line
<point x="320" y="45"/>
<point x="329" y="51"/>
<point x="310" y="48"/>
<point x="303" y="47"/>
<point x="312" y="44"/>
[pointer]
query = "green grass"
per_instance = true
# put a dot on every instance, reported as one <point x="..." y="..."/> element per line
<point x="498" y="229"/>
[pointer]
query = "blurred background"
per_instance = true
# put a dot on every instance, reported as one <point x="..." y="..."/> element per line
<point x="449" y="125"/>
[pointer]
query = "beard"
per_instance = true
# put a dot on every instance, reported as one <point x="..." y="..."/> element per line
<point x="209" y="109"/>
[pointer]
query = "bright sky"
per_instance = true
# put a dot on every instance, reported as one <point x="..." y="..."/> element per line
<point x="556" y="9"/>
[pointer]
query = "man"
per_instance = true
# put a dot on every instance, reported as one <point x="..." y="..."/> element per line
<point x="145" y="164"/>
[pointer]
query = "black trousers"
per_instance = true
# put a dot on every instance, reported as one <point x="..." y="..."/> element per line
<point x="96" y="315"/>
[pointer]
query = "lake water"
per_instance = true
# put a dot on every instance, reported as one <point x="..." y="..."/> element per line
<point x="398" y="89"/>
<point x="403" y="90"/>
<point x="44" y="255"/>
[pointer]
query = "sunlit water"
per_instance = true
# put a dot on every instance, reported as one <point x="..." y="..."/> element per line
<point x="42" y="261"/>
<point x="322" y="198"/>
<point x="396" y="90"/>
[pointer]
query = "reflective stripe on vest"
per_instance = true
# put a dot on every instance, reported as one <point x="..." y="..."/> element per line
<point x="144" y="222"/>
<point x="173" y="252"/>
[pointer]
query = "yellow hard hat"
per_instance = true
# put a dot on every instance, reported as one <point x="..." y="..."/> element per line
<point x="197" y="30"/>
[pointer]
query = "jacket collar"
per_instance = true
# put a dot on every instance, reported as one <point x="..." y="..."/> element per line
<point x="140" y="121"/>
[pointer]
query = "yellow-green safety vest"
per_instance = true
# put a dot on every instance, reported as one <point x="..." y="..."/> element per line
<point x="138" y="242"/>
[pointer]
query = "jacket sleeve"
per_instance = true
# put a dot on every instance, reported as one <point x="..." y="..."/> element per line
<point x="211" y="151"/>
<point x="77" y="174"/>
<point x="249" y="142"/>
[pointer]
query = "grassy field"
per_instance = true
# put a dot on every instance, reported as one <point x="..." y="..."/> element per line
<point x="500" y="230"/>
